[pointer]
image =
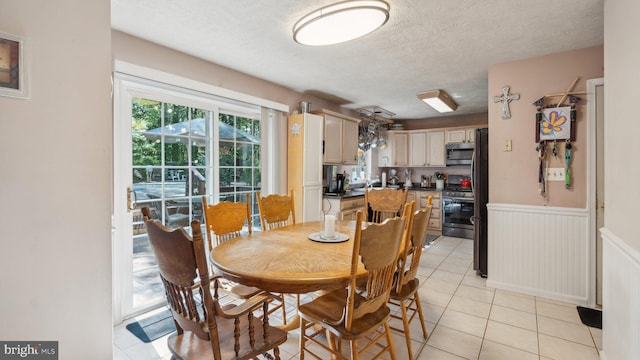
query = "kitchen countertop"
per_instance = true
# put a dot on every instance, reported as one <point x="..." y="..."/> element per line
<point x="360" y="192"/>
<point x="347" y="195"/>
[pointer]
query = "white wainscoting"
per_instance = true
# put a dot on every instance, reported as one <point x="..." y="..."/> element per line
<point x="539" y="250"/>
<point x="621" y="298"/>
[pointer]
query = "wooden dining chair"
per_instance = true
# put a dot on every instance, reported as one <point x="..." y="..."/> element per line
<point x="224" y="221"/>
<point x="384" y="203"/>
<point x="359" y="313"/>
<point x="205" y="329"/>
<point x="405" y="291"/>
<point x="276" y="210"/>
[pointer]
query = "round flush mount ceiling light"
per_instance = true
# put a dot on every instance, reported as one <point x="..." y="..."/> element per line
<point x="341" y="22"/>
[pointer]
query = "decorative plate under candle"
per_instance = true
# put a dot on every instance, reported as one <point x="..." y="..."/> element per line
<point x="316" y="236"/>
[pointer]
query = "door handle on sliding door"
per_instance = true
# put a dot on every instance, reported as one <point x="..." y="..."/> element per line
<point x="131" y="205"/>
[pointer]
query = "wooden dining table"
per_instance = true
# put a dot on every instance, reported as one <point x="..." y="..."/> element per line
<point x="285" y="260"/>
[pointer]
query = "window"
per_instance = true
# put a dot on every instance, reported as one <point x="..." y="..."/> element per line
<point x="170" y="159"/>
<point x="362" y="171"/>
<point x="240" y="160"/>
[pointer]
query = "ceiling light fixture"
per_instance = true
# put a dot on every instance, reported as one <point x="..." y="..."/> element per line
<point x="439" y="100"/>
<point x="341" y="22"/>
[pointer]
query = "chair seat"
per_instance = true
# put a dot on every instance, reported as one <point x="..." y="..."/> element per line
<point x="327" y="309"/>
<point x="238" y="290"/>
<point x="189" y="346"/>
<point x="407" y="290"/>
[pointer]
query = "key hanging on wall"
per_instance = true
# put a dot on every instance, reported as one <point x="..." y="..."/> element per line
<point x="567" y="160"/>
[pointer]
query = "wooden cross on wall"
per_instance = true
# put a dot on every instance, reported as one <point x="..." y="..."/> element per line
<point x="505" y="99"/>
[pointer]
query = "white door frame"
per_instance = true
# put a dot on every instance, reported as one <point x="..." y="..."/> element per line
<point x="591" y="185"/>
<point x="216" y="97"/>
<point x="125" y="89"/>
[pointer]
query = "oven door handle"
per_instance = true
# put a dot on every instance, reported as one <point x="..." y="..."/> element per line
<point x="459" y="199"/>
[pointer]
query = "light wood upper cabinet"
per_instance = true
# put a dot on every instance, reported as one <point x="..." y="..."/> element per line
<point x="399" y="148"/>
<point x="418" y="148"/>
<point x="471" y="135"/>
<point x="397" y="151"/>
<point x="332" y="140"/>
<point x="460" y="136"/>
<point x="349" y="142"/>
<point x="435" y="148"/>
<point x="340" y="138"/>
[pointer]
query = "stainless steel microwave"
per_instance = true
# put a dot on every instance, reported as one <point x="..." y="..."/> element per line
<point x="460" y="153"/>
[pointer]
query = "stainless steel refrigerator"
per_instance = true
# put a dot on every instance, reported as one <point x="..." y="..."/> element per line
<point x="480" y="184"/>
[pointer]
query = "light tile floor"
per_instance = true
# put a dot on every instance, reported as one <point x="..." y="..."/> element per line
<point x="465" y="319"/>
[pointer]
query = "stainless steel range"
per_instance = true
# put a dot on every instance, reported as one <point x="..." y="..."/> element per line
<point x="457" y="208"/>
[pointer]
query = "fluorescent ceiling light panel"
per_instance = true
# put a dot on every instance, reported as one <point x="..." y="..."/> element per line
<point x="341" y="22"/>
<point x="439" y="100"/>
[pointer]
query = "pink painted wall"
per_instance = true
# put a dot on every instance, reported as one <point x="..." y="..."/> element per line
<point x="141" y="52"/>
<point x="513" y="176"/>
<point x="56" y="154"/>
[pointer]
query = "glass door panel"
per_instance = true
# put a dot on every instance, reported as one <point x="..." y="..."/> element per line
<point x="239" y="158"/>
<point x="168" y="142"/>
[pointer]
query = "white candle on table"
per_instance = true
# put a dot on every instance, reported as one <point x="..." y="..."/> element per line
<point x="329" y="226"/>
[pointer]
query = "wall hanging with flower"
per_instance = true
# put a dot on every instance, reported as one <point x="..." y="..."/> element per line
<point x="556" y="123"/>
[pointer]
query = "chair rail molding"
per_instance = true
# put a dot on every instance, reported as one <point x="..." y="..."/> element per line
<point x="540" y="250"/>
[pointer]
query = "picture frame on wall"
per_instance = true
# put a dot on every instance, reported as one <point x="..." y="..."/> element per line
<point x="556" y="124"/>
<point x="13" y="72"/>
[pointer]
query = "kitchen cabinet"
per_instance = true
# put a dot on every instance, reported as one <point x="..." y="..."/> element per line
<point x="396" y="152"/>
<point x="340" y="136"/>
<point x="417" y="148"/>
<point x="349" y="142"/>
<point x="460" y="135"/>
<point x="305" y="164"/>
<point x="471" y="135"/>
<point x="332" y="140"/>
<point x="411" y="196"/>
<point x="421" y="197"/>
<point x="343" y="208"/>
<point x="435" y="148"/>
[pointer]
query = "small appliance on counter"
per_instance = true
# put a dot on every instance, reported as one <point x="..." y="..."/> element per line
<point x="465" y="183"/>
<point x="335" y="181"/>
<point x="407" y="178"/>
<point x="394" y="181"/>
<point x="424" y="182"/>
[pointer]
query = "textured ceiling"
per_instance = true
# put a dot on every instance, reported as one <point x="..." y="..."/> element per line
<point x="425" y="45"/>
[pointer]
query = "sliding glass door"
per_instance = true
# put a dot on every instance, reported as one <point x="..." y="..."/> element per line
<point x="172" y="148"/>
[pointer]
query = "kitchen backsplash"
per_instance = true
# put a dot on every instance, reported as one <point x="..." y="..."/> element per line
<point x="416" y="172"/>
